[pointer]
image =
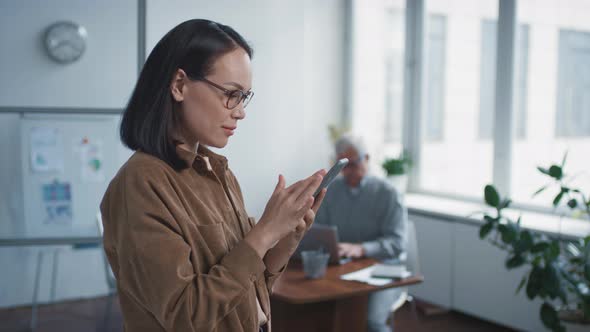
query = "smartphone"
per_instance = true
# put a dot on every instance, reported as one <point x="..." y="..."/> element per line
<point x="332" y="173"/>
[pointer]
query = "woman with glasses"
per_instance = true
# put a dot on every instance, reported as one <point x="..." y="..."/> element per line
<point x="185" y="253"/>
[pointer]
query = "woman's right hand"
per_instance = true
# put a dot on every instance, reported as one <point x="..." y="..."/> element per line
<point x="284" y="212"/>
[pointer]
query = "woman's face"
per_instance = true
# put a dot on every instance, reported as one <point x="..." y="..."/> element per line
<point x="204" y="116"/>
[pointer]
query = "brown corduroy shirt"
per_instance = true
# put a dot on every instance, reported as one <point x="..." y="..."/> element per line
<point x="174" y="240"/>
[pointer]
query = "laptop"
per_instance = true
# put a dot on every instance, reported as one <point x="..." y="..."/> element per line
<point x="324" y="237"/>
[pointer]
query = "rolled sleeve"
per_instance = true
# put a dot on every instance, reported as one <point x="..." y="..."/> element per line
<point x="244" y="263"/>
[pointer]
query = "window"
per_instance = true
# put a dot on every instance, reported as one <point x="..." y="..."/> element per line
<point x="455" y="150"/>
<point x="377" y="63"/>
<point x="559" y="97"/>
<point x="489" y="31"/>
<point x="573" y="89"/>
<point x="452" y="158"/>
<point x="394" y="74"/>
<point x="437" y="35"/>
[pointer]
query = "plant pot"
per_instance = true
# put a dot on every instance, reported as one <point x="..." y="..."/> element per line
<point x="399" y="182"/>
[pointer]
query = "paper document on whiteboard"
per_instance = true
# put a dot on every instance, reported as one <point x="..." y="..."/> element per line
<point x="46" y="150"/>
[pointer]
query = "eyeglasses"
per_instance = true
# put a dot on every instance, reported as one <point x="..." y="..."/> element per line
<point x="234" y="97"/>
<point x="354" y="163"/>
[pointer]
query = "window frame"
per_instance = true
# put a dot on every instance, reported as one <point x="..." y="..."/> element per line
<point x="415" y="92"/>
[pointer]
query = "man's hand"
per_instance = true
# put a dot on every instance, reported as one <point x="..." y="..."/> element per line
<point x="351" y="250"/>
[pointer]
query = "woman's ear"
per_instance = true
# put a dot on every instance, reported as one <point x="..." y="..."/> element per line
<point x="177" y="85"/>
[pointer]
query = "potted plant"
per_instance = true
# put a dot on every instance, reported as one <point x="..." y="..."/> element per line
<point x="336" y="132"/>
<point x="397" y="170"/>
<point x="558" y="270"/>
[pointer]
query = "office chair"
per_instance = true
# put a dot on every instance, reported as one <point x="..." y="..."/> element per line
<point x="111" y="281"/>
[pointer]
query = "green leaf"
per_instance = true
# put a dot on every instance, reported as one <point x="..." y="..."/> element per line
<point x="488" y="218"/>
<point x="554" y="248"/>
<point x="555" y="172"/>
<point x="508" y="232"/>
<point x="558" y="198"/>
<point x="539" y="247"/>
<point x="515" y="261"/>
<point x="586" y="306"/>
<point x="535" y="282"/>
<point x="587" y="260"/>
<point x="550" y="319"/>
<point x="553" y="283"/>
<point x="572" y="203"/>
<point x="552" y="252"/>
<point x="505" y="203"/>
<point x="485" y="229"/>
<point x="491" y="196"/>
<point x="548" y="315"/>
<point x="543" y="170"/>
<point x="540" y="190"/>
<point x="521" y="284"/>
<point x="564" y="159"/>
<point x="525" y="242"/>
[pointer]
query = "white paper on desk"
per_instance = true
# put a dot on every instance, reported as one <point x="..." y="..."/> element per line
<point x="46" y="148"/>
<point x="364" y="275"/>
<point x="390" y="271"/>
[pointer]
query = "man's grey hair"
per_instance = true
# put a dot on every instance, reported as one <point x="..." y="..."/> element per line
<point x="348" y="141"/>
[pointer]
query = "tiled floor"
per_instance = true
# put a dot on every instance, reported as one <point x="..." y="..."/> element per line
<point x="86" y="315"/>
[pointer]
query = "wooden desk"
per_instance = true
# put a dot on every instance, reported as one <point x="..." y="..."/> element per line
<point x="327" y="304"/>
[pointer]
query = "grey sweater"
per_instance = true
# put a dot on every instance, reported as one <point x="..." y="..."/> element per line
<point x="371" y="214"/>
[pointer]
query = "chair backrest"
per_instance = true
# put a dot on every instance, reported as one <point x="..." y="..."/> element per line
<point x="110" y="277"/>
<point x="413" y="261"/>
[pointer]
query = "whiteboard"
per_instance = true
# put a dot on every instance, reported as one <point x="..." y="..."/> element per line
<point x="81" y="140"/>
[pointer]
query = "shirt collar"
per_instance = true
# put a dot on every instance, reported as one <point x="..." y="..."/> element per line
<point x="356" y="190"/>
<point x="203" y="160"/>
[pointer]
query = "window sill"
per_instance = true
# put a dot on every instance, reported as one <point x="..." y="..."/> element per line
<point x="449" y="209"/>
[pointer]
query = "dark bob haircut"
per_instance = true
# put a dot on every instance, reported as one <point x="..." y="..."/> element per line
<point x="149" y="119"/>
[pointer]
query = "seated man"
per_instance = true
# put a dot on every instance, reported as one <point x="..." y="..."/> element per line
<point x="370" y="218"/>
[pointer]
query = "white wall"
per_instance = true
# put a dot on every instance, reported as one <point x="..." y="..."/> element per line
<point x="103" y="76"/>
<point x="297" y="79"/>
<point x="323" y="45"/>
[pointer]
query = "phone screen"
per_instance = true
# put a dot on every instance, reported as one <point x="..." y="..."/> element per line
<point x="332" y="173"/>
